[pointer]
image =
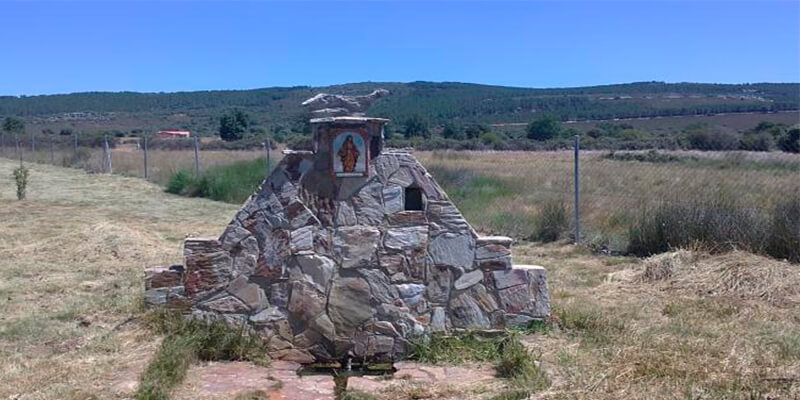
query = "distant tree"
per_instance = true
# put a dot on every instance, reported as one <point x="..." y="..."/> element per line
<point x="48" y="131"/>
<point x="13" y="125"/>
<point x="702" y="136"/>
<point x="65" y="132"/>
<point x="476" y="130"/>
<point x="790" y="142"/>
<point x="233" y="125"/>
<point x="763" y="126"/>
<point x="415" y="126"/>
<point x="762" y="141"/>
<point x="452" y="130"/>
<point x="543" y="128"/>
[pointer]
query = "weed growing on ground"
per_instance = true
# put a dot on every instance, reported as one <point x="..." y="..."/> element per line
<point x="358" y="395"/>
<point x="188" y="340"/>
<point x="512" y="360"/>
<point x="553" y="221"/>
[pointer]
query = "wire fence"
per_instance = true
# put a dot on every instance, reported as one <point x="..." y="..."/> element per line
<point x="154" y="159"/>
<point x="611" y="195"/>
<point x="601" y="195"/>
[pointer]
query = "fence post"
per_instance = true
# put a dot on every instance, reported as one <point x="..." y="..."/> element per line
<point x="52" y="152"/>
<point x="107" y="155"/>
<point x="33" y="144"/>
<point x="145" y="158"/>
<point x="269" y="147"/>
<point x="19" y="150"/>
<point x="2" y="143"/>
<point x="74" y="148"/>
<point x="577" y="181"/>
<point x="196" y="158"/>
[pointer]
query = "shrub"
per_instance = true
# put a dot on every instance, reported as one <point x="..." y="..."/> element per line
<point x="790" y="142"/>
<point x="757" y="142"/>
<point x="718" y="225"/>
<point x="21" y="179"/>
<point x="553" y="221"/>
<point x="710" y="139"/>
<point x="784" y="237"/>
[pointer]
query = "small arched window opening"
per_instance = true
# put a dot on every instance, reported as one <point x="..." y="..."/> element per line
<point x="413" y="199"/>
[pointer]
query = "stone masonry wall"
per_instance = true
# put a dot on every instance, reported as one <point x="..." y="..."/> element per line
<point x="356" y="275"/>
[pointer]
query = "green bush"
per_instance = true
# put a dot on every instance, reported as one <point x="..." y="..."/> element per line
<point x="21" y="179"/>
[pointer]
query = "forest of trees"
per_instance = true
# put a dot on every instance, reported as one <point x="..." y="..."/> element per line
<point x="427" y="114"/>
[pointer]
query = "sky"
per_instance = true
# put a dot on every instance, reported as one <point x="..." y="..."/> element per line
<point x="63" y="47"/>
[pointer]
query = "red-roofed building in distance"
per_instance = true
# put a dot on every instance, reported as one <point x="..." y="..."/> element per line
<point x="173" y="134"/>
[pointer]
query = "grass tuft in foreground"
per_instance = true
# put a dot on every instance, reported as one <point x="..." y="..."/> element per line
<point x="512" y="360"/>
<point x="187" y="341"/>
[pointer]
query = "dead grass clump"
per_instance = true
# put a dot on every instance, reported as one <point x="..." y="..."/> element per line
<point x="663" y="266"/>
<point x="738" y="274"/>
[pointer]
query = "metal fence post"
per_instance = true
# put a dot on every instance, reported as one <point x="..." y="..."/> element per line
<point x="19" y="150"/>
<point x="196" y="158"/>
<point x="145" y="158"/>
<point x="74" y="148"/>
<point x="52" y="152"/>
<point x="33" y="143"/>
<point x="269" y="147"/>
<point x="577" y="181"/>
<point x="107" y="155"/>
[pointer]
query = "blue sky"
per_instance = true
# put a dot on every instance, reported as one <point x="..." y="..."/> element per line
<point x="66" y="47"/>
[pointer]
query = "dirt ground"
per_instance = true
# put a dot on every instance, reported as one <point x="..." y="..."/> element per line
<point x="679" y="325"/>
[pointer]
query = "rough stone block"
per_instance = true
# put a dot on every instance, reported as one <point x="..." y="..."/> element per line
<point x="159" y="277"/>
<point x="206" y="272"/>
<point x="393" y="199"/>
<point x="457" y="250"/>
<point x="468" y="279"/>
<point x="349" y="305"/>
<point x="407" y="238"/>
<point x="356" y="246"/>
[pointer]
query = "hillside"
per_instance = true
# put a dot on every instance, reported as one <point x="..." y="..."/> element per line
<point x="436" y="103"/>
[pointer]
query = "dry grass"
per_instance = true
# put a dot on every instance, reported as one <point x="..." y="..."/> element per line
<point x="678" y="325"/>
<point x="71" y="259"/>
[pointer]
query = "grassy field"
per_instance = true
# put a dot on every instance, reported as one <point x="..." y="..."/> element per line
<point x="681" y="325"/>
<point x="502" y="192"/>
<point x="71" y="260"/>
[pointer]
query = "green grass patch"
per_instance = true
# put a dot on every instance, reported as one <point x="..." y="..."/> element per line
<point x="484" y="201"/>
<point x="512" y="360"/>
<point x="232" y="183"/>
<point x="588" y="322"/>
<point x="188" y="340"/>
